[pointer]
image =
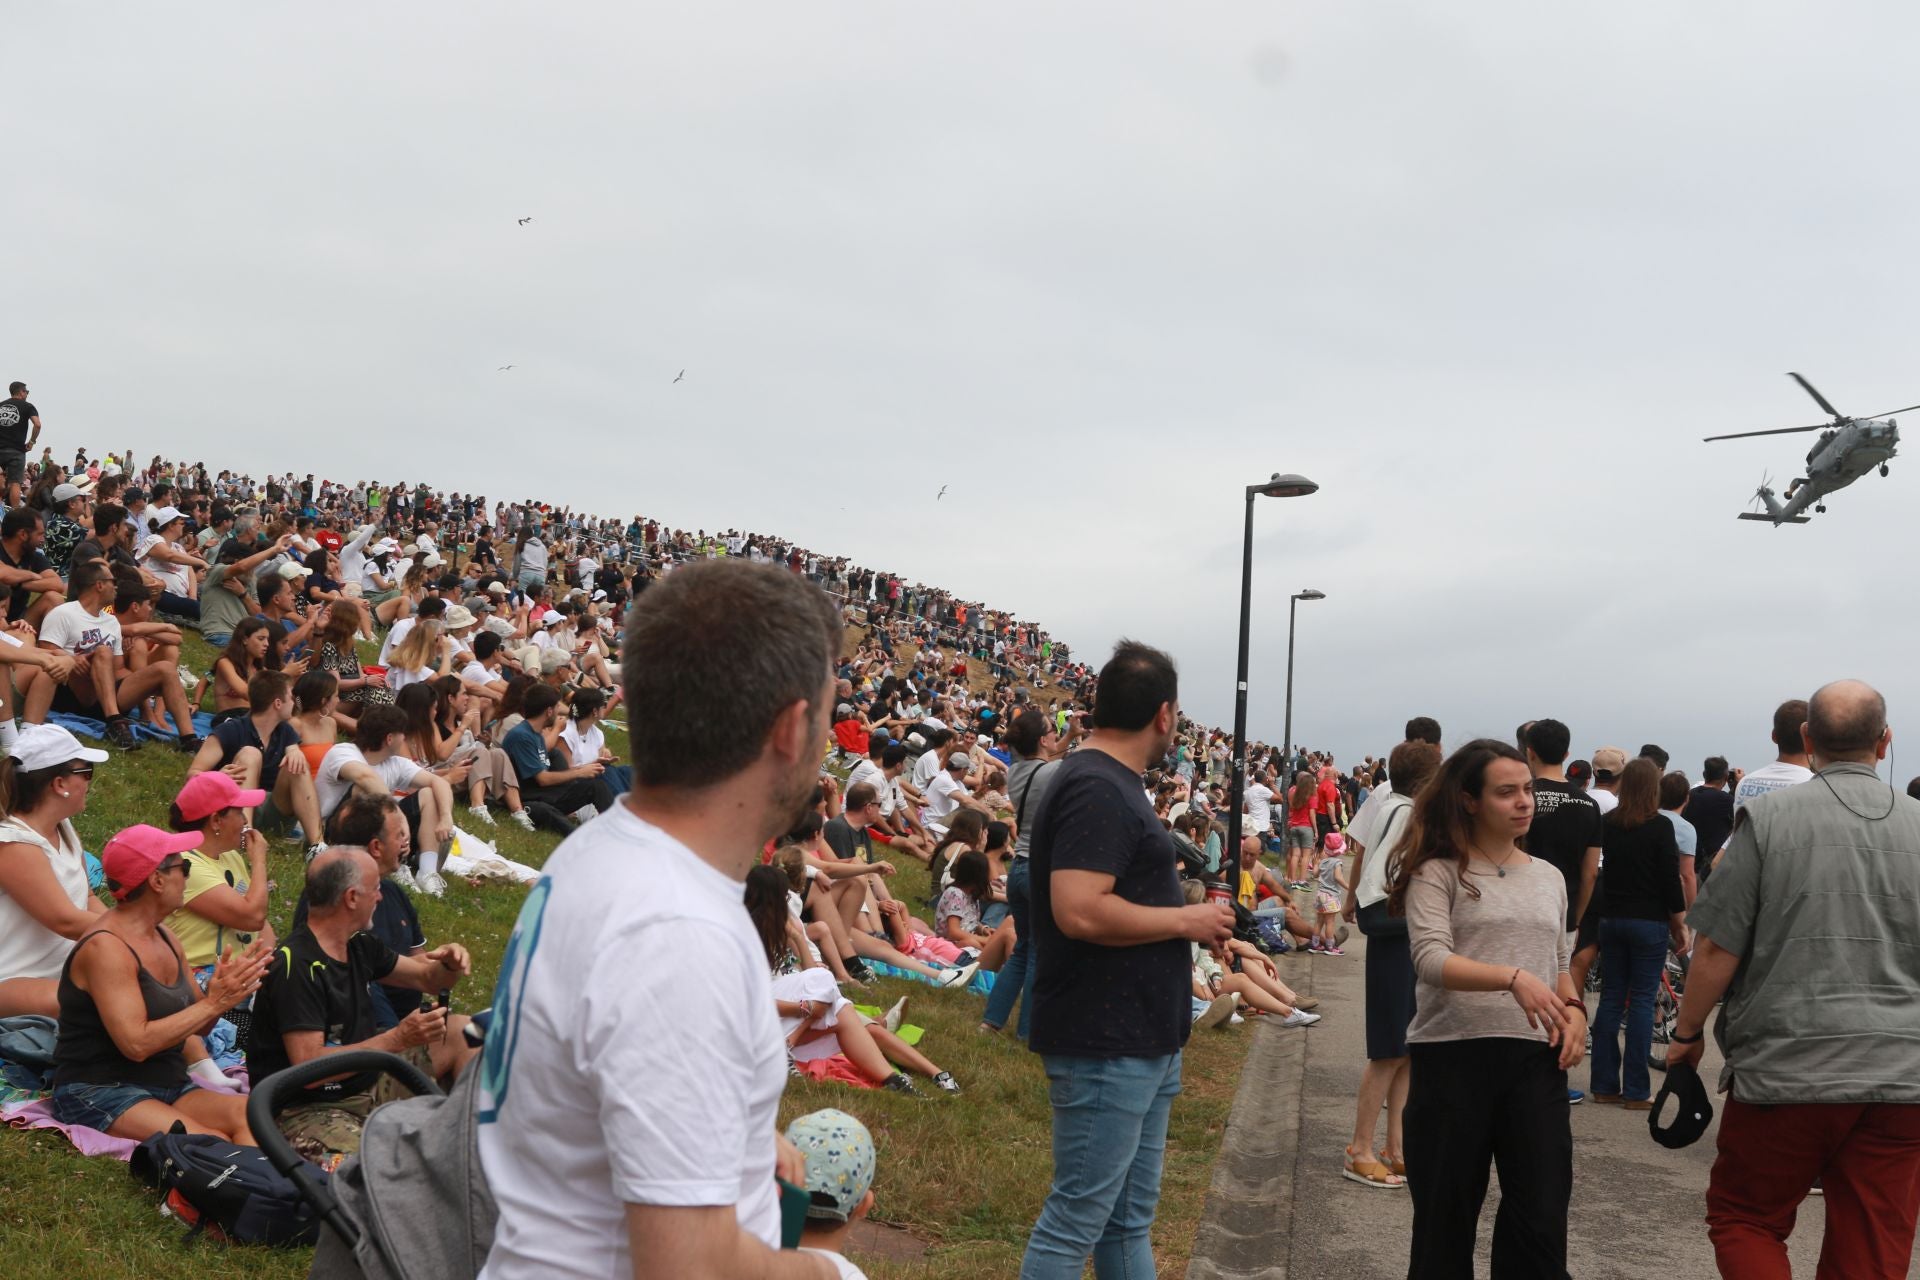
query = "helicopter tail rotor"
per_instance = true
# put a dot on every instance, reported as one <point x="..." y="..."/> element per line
<point x="1764" y="492"/>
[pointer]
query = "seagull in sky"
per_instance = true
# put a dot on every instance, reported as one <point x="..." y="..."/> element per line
<point x="680" y="375"/>
<point x="525" y="221"/>
<point x="941" y="494"/>
<point x="503" y="368"/>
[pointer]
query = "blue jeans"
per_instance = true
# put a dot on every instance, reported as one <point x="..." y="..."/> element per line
<point x="1631" y="955"/>
<point x="1109" y="1137"/>
<point x="1015" y="979"/>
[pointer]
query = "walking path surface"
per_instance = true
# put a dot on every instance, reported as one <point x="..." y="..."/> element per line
<point x="1279" y="1208"/>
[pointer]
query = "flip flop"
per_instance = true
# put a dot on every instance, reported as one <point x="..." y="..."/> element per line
<point x="1369" y="1172"/>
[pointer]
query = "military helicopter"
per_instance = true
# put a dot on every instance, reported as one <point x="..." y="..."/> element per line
<point x="1847" y="449"/>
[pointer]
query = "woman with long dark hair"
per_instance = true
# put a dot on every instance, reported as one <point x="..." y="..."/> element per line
<point x="1497" y="1023"/>
<point x="1642" y="908"/>
<point x="251" y="650"/>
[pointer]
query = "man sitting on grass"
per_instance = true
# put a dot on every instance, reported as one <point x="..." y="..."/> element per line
<point x="567" y="789"/>
<point x="261" y="751"/>
<point x="314" y="1002"/>
<point x="375" y="823"/>
<point x="101" y="684"/>
<point x="376" y="762"/>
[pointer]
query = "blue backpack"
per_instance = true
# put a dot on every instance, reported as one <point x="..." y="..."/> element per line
<point x="211" y="1183"/>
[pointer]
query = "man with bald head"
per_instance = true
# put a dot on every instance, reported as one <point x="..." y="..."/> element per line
<point x="1808" y="930"/>
<point x="315" y="1001"/>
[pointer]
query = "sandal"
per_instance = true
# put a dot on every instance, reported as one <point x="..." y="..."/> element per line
<point x="1369" y="1172"/>
<point x="1398" y="1166"/>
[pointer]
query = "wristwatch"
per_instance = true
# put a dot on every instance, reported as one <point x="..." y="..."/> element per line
<point x="1696" y="1038"/>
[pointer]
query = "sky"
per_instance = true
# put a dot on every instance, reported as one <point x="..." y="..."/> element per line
<point x="1486" y="273"/>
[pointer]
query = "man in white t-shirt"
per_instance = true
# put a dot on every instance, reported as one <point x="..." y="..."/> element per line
<point x="430" y="607"/>
<point x="1608" y="764"/>
<point x="627" y="1117"/>
<point x="1788" y="769"/>
<point x="376" y="763"/>
<point x="948" y="793"/>
<point x="1259" y="797"/>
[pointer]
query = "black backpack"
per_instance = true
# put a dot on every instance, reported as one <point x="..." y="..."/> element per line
<point x="210" y="1182"/>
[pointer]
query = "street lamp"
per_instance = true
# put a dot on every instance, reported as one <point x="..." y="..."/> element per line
<point x="1280" y="486"/>
<point x="1286" y="749"/>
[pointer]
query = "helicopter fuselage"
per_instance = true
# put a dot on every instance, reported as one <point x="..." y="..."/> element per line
<point x="1842" y="455"/>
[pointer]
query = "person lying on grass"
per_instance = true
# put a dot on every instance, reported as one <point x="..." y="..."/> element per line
<point x="817" y="1021"/>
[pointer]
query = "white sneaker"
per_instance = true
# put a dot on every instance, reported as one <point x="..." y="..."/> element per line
<point x="480" y="813"/>
<point x="1299" y="1018"/>
<point x="524" y="819"/>
<point x="433" y="885"/>
<point x="959" y="977"/>
<point x="584" y="814"/>
<point x="315" y="850"/>
<point x="1235" y="1020"/>
<point x="896" y="1015"/>
<point x="403" y="877"/>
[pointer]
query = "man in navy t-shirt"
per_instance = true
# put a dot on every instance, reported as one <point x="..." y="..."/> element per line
<point x="1112" y="991"/>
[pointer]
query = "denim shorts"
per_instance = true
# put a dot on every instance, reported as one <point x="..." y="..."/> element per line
<point x="98" y="1106"/>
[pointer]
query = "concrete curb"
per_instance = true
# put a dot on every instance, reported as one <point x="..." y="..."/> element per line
<point x="1246" y="1228"/>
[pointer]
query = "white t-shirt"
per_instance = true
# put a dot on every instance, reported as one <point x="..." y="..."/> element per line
<point x="28" y="949"/>
<point x="582" y="749"/>
<point x="396" y="771"/>
<point x="1605" y="799"/>
<point x="876" y="777"/>
<point x="76" y="631"/>
<point x="943" y="797"/>
<point x="1366" y="829"/>
<point x="395" y="636"/>
<point x="924" y="768"/>
<point x="1259" y="807"/>
<point x="1768" y="777"/>
<point x="637" y="1086"/>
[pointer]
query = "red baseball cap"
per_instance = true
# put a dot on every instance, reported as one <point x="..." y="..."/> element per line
<point x="133" y="855"/>
<point x="208" y="793"/>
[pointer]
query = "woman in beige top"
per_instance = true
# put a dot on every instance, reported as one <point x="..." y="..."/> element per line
<point x="1497" y="1026"/>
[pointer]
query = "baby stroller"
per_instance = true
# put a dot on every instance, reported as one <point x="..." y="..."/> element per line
<point x="414" y="1204"/>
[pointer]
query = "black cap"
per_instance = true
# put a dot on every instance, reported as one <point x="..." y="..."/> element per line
<point x="1695" y="1112"/>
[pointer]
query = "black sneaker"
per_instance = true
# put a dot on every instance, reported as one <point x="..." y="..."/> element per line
<point x="120" y="734"/>
<point x="899" y="1083"/>
<point x="188" y="745"/>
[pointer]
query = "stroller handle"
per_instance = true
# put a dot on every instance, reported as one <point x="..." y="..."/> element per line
<point x="279" y="1091"/>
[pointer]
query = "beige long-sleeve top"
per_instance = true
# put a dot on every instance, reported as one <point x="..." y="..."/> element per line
<point x="1518" y="921"/>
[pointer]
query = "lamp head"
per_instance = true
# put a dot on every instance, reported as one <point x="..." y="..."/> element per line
<point x="1310" y="594"/>
<point x="1288" y="485"/>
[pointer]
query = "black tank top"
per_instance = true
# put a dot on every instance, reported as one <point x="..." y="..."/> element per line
<point x="85" y="1053"/>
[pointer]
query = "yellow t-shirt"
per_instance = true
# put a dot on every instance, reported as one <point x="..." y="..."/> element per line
<point x="201" y="938"/>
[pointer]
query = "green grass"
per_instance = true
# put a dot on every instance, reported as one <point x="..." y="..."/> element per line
<point x="966" y="1175"/>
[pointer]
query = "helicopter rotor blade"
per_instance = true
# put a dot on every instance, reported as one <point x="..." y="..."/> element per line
<point x="1817" y="397"/>
<point x="1777" y="431"/>
<point x="1889" y="413"/>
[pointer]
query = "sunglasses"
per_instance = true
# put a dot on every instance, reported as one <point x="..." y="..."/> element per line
<point x="172" y="864"/>
<point x="79" y="771"/>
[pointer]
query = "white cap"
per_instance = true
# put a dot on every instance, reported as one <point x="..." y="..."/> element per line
<point x="431" y="560"/>
<point x="291" y="570"/>
<point x="163" y="517"/>
<point x="551" y="617"/>
<point x="68" y="492"/>
<point x="41" y="746"/>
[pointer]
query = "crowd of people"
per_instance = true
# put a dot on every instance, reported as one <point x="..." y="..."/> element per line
<point x="1071" y="825"/>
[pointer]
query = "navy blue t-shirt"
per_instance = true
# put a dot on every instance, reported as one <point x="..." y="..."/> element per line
<point x="1091" y="1000"/>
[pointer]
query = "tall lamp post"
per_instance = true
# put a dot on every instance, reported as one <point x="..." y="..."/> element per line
<point x="1286" y="749"/>
<point x="1280" y="486"/>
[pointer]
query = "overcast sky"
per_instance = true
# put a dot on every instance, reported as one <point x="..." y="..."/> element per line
<point x="1487" y="273"/>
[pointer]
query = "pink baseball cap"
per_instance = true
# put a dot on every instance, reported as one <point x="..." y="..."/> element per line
<point x="132" y="856"/>
<point x="208" y="793"/>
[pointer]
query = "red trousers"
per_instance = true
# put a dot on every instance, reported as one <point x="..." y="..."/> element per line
<point x="1866" y="1157"/>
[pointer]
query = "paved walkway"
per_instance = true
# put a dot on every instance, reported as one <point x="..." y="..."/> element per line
<point x="1279" y="1208"/>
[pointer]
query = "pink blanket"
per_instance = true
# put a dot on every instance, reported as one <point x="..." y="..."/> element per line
<point x="89" y="1142"/>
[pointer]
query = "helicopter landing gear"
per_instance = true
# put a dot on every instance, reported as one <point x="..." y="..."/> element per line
<point x="1821" y="509"/>
<point x="1883" y="471"/>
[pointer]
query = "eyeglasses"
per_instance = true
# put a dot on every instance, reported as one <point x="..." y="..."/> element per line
<point x="79" y="771"/>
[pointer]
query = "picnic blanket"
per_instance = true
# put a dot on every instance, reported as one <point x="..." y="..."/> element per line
<point x="87" y="725"/>
<point x="981" y="985"/>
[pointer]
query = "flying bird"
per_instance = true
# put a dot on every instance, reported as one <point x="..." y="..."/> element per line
<point x="941" y="494"/>
<point x="525" y="221"/>
<point x="503" y="368"/>
<point x="680" y="375"/>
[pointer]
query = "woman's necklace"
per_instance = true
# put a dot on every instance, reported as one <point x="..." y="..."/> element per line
<point x="1500" y="867"/>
